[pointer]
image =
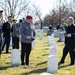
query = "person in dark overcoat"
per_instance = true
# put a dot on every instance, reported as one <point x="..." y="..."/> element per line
<point x="69" y="42"/>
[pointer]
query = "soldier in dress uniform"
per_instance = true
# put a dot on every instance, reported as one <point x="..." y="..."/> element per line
<point x="6" y="33"/>
<point x="1" y="23"/>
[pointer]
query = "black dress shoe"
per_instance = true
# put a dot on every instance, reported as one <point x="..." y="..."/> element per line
<point x="22" y="63"/>
<point x="71" y="64"/>
<point x="27" y="64"/>
<point x="60" y="63"/>
<point x="7" y="52"/>
<point x="2" y="50"/>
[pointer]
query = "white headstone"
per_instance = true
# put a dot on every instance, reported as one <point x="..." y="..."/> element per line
<point x="15" y="57"/>
<point x="53" y="43"/>
<point x="52" y="65"/>
<point x="11" y="41"/>
<point x="61" y="36"/>
<point x="56" y="33"/>
<point x="34" y="42"/>
<point x="41" y="36"/>
<point x="20" y="38"/>
<point x="52" y="35"/>
<point x="5" y="47"/>
<point x="46" y="74"/>
<point x="60" y="30"/>
<point x="53" y="50"/>
<point x="36" y="33"/>
<point x="50" y="39"/>
<point x="33" y="45"/>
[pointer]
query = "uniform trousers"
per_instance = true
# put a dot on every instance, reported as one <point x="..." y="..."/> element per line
<point x="7" y="43"/>
<point x="70" y="49"/>
<point x="15" y="42"/>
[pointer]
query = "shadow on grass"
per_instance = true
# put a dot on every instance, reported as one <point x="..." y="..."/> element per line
<point x="41" y="63"/>
<point x="35" y="71"/>
<point x="4" y="67"/>
<point x="7" y="62"/>
<point x="45" y="54"/>
<point x="59" y="41"/>
<point x="46" y="49"/>
<point x="6" y="53"/>
<point x="46" y="45"/>
<point x="63" y="66"/>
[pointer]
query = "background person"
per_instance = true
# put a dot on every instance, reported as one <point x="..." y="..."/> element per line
<point x="6" y="33"/>
<point x="15" y="35"/>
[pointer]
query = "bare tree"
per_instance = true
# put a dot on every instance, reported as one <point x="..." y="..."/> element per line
<point x="60" y="4"/>
<point x="53" y="17"/>
<point x="72" y="7"/>
<point x="13" y="7"/>
<point x="38" y="14"/>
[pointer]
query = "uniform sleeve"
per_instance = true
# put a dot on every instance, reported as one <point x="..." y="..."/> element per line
<point x="3" y="27"/>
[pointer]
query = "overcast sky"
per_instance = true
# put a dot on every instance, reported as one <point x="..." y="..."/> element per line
<point x="46" y="5"/>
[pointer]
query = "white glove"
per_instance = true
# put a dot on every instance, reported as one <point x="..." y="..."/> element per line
<point x="68" y="35"/>
<point x="29" y="37"/>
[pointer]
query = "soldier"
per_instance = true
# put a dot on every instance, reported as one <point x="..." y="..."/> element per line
<point x="6" y="33"/>
<point x="1" y="23"/>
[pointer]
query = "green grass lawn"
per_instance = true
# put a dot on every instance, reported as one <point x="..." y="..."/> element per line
<point x="38" y="61"/>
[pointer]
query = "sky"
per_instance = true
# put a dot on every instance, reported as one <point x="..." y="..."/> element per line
<point x="46" y="5"/>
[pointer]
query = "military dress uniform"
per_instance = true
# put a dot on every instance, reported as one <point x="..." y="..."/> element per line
<point x="6" y="35"/>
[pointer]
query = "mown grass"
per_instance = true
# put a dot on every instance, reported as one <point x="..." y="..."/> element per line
<point x="38" y="61"/>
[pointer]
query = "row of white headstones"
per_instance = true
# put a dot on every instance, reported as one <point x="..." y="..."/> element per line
<point x="57" y="33"/>
<point x="60" y="34"/>
<point x="52" y="62"/>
